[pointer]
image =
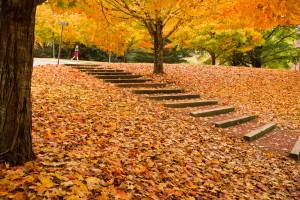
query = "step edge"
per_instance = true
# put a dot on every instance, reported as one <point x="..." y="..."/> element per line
<point x="295" y="152"/>
<point x="190" y="104"/>
<point x="237" y="119"/>
<point x="230" y="108"/>
<point x="259" y="132"/>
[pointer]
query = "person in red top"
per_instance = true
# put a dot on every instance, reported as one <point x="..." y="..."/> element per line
<point x="76" y="53"/>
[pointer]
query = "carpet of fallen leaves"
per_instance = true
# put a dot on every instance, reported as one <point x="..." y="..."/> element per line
<point x="270" y="94"/>
<point x="96" y="141"/>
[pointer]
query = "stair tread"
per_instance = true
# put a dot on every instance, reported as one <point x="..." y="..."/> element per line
<point x="259" y="132"/>
<point x="211" y="112"/>
<point x="295" y="152"/>
<point x="190" y="103"/>
<point x="234" y="121"/>
<point x="173" y="96"/>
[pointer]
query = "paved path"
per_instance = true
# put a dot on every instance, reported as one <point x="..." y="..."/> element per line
<point x="45" y="61"/>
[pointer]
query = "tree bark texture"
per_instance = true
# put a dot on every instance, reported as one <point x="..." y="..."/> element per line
<point x="158" y="49"/>
<point x="255" y="57"/>
<point x="213" y="58"/>
<point x="17" y="21"/>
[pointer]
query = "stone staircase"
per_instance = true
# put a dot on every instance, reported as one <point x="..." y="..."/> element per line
<point x="160" y="92"/>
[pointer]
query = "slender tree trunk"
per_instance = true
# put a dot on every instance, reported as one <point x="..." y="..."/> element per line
<point x="213" y="58"/>
<point x="109" y="57"/>
<point x="17" y="20"/>
<point x="125" y="57"/>
<point x="158" y="49"/>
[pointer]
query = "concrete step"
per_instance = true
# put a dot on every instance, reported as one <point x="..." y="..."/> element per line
<point x="190" y="104"/>
<point x="101" y="70"/>
<point x="176" y="96"/>
<point x="75" y="65"/>
<point x="108" y="73"/>
<point x="212" y="112"/>
<point x="127" y="80"/>
<point x="117" y="76"/>
<point x="234" y="121"/>
<point x="157" y="91"/>
<point x="134" y="85"/>
<point x="88" y="68"/>
<point x="295" y="153"/>
<point x="260" y="132"/>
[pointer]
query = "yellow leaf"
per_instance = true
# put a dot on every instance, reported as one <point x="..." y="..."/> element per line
<point x="7" y="165"/>
<point x="89" y="142"/>
<point x="102" y="197"/>
<point x="72" y="197"/>
<point x="92" y="182"/>
<point x="162" y="186"/>
<point x="250" y="186"/>
<point x="29" y="179"/>
<point x="47" y="182"/>
<point x="99" y="127"/>
<point x="48" y="131"/>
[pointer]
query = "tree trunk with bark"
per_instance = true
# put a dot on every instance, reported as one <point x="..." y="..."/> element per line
<point x="213" y="58"/>
<point x="238" y="59"/>
<point x="125" y="57"/>
<point x="17" y="20"/>
<point x="158" y="49"/>
<point x="255" y="57"/>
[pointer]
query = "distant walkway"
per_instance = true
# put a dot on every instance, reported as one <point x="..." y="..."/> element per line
<point x="295" y="67"/>
<point x="53" y="61"/>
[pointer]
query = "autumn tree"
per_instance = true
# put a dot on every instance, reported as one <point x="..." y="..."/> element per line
<point x="217" y="41"/>
<point x="160" y="18"/>
<point x="278" y="48"/>
<point x="237" y="29"/>
<point x="86" y="28"/>
<point x="17" y="20"/>
<point x="117" y="39"/>
<point x="47" y="27"/>
<point x="263" y="14"/>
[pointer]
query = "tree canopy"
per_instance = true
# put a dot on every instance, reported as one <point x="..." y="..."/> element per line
<point x="118" y="22"/>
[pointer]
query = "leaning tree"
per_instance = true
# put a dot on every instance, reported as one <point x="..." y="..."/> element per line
<point x="17" y="21"/>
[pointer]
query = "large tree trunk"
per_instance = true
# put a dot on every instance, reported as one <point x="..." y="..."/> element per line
<point x="17" y="20"/>
<point x="158" y="49"/>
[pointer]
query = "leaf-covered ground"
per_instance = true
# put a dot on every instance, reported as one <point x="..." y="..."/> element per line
<point x="96" y="141"/>
<point x="271" y="95"/>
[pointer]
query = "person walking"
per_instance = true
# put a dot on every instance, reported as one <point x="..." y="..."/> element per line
<point x="76" y="53"/>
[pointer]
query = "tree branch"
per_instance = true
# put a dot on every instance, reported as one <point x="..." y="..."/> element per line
<point x="180" y="21"/>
